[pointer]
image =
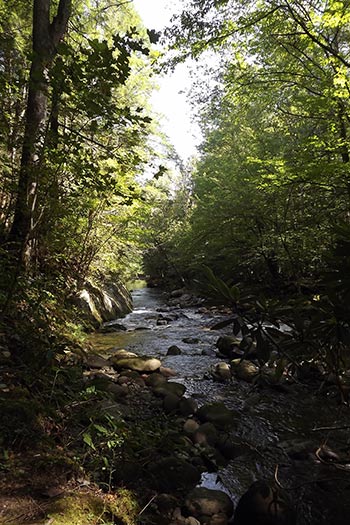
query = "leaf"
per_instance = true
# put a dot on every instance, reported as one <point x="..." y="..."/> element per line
<point x="88" y="440"/>
<point x="101" y="429"/>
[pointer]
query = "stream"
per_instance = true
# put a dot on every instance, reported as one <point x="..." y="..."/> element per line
<point x="274" y="427"/>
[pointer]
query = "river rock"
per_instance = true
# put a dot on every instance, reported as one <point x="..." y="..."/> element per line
<point x="229" y="448"/>
<point x="171" y="403"/>
<point x="118" y="391"/>
<point x="96" y="361"/>
<point x="209" y="352"/>
<point x="190" y="426"/>
<point x="112" y="327"/>
<point x="217" y="414"/>
<point x="172" y="473"/>
<point x="206" y="434"/>
<point x="188" y="406"/>
<point x="155" y="379"/>
<point x="204" y="504"/>
<point x="245" y="370"/>
<point x="190" y="340"/>
<point x="167" y="372"/>
<point x="174" y="350"/>
<point x="170" y="388"/>
<point x="264" y="504"/>
<point x="222" y="372"/>
<point x="133" y="362"/>
<point x="229" y="346"/>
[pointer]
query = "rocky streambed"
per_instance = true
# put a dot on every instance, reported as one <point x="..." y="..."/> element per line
<point x="226" y="431"/>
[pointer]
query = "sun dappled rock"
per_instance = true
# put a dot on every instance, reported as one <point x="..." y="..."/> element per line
<point x="245" y="370"/>
<point x="228" y="346"/>
<point x="222" y="372"/>
<point x="123" y="359"/>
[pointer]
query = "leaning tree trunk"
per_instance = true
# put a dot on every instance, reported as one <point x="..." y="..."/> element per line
<point x="46" y="37"/>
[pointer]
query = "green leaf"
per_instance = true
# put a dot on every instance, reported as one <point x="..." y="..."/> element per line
<point x="88" y="440"/>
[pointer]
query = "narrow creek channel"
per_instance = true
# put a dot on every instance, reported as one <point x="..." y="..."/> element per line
<point x="273" y="427"/>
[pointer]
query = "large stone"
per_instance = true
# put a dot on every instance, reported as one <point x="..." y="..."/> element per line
<point x="204" y="503"/>
<point x="171" y="403"/>
<point x="96" y="361"/>
<point x="128" y="360"/>
<point x="264" y="504"/>
<point x="217" y="414"/>
<point x="170" y="388"/>
<point x="229" y="346"/>
<point x="206" y="434"/>
<point x="103" y="301"/>
<point x="245" y="370"/>
<point x="174" y="350"/>
<point x="188" y="406"/>
<point x="222" y="372"/>
<point x="190" y="426"/>
<point x="155" y="380"/>
<point x="173" y="473"/>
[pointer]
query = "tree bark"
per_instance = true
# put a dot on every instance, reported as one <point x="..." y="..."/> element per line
<point x="46" y="37"/>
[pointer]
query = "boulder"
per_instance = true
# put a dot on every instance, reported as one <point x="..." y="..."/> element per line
<point x="96" y="361"/>
<point x="172" y="473"/>
<point x="204" y="504"/>
<point x="171" y="403"/>
<point x="245" y="370"/>
<point x="170" y="388"/>
<point x="190" y="426"/>
<point x="188" y="406"/>
<point x="229" y="346"/>
<point x="123" y="359"/>
<point x="174" y="350"/>
<point x="103" y="301"/>
<point x="217" y="414"/>
<point x="155" y="379"/>
<point x="206" y="434"/>
<point x="264" y="504"/>
<point x="222" y="372"/>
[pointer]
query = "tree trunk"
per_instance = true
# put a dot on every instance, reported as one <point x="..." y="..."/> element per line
<point x="46" y="37"/>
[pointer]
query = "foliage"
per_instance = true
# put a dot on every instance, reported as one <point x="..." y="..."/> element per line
<point x="272" y="177"/>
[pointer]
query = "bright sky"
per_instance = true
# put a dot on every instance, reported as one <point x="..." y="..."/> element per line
<point x="170" y="100"/>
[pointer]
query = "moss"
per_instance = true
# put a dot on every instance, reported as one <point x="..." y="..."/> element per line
<point x="91" y="509"/>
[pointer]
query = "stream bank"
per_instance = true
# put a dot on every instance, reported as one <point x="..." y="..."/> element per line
<point x="98" y="436"/>
<point x="273" y="426"/>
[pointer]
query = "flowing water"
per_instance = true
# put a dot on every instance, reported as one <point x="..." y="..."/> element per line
<point x="268" y="422"/>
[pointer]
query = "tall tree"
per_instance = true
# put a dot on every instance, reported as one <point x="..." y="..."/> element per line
<point x="46" y="36"/>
